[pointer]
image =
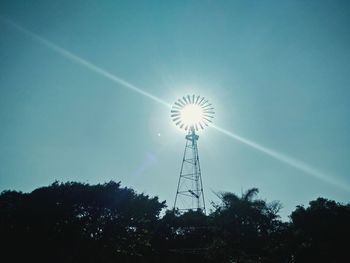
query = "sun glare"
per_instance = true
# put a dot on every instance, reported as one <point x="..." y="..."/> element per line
<point x="192" y="112"/>
<point x="191" y="115"/>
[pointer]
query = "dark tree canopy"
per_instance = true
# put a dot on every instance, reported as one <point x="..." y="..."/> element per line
<point x="321" y="231"/>
<point x="75" y="222"/>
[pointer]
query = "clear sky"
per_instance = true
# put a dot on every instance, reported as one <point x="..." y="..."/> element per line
<point x="278" y="73"/>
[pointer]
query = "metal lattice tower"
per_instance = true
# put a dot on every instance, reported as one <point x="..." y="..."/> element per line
<point x="189" y="193"/>
<point x="191" y="113"/>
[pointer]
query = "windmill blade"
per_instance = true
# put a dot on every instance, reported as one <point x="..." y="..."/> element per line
<point x="178" y="105"/>
<point x="184" y="98"/>
<point x="201" y="101"/>
<point x="208" y="105"/>
<point x="174" y="111"/>
<point x="177" y="123"/>
<point x="189" y="98"/>
<point x="200" y="124"/>
<point x="197" y="99"/>
<point x="193" y="97"/>
<point x="181" y="102"/>
<point x="208" y="109"/>
<point x="176" y="119"/>
<point x="204" y="123"/>
<point x="207" y="120"/>
<point x="205" y="104"/>
<point x="174" y="115"/>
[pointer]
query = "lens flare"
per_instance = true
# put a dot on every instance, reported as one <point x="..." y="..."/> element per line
<point x="192" y="112"/>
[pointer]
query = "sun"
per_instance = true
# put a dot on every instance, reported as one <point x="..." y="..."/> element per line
<point x="192" y="112"/>
<point x="191" y="115"/>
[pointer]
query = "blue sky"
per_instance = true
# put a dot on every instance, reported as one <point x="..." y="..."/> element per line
<point x="278" y="73"/>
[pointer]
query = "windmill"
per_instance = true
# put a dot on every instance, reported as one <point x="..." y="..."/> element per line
<point x="191" y="113"/>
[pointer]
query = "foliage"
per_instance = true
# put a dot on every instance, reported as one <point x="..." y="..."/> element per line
<point x="320" y="231"/>
<point x="75" y="222"/>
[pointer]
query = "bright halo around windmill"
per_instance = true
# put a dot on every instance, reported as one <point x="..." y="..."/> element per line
<point x="192" y="112"/>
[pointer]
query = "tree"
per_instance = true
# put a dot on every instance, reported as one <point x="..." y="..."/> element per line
<point x="184" y="237"/>
<point x="74" y="222"/>
<point x="244" y="228"/>
<point x="320" y="232"/>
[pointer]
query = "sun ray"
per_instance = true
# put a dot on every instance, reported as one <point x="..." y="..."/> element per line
<point x="301" y="166"/>
<point x="87" y="64"/>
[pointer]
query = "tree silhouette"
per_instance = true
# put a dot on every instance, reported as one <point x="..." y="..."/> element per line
<point x="75" y="222"/>
<point x="79" y="223"/>
<point x="244" y="227"/>
<point x="320" y="232"/>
